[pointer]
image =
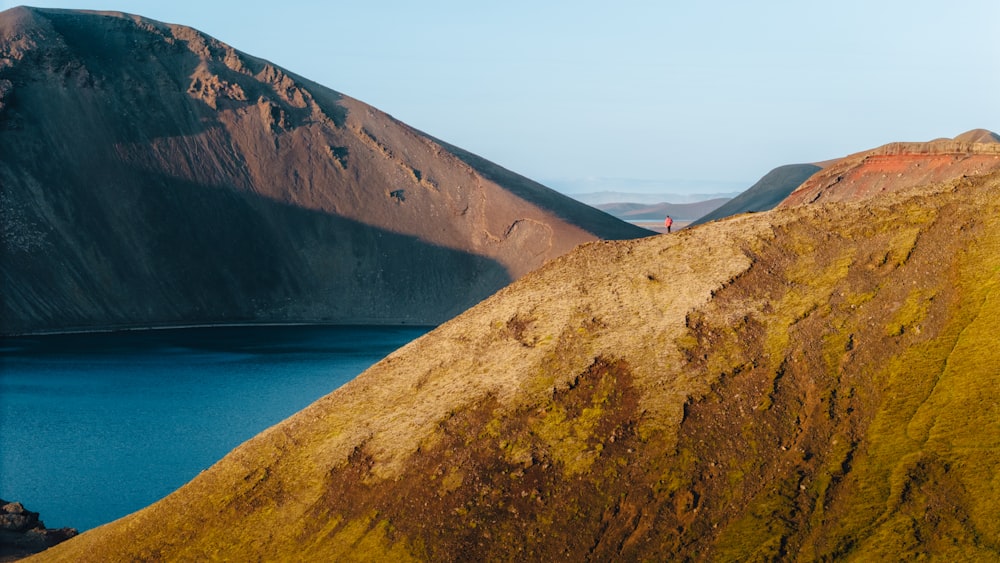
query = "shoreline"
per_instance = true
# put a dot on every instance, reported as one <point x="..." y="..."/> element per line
<point x="147" y="328"/>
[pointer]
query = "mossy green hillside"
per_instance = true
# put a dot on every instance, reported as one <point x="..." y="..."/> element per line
<point x="811" y="383"/>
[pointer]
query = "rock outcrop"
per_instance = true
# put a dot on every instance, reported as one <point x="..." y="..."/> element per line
<point x="22" y="533"/>
<point x="152" y="175"/>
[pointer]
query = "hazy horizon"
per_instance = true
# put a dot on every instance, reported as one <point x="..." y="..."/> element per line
<point x="567" y="92"/>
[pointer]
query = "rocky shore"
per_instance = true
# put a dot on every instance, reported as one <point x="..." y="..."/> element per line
<point x="22" y="533"/>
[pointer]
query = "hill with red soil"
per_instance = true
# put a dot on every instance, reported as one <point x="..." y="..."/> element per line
<point x="153" y="175"/>
<point x="900" y="165"/>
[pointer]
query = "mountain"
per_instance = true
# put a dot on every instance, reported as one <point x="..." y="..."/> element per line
<point x="649" y="198"/>
<point x="899" y="165"/>
<point x="978" y="136"/>
<point x="765" y="194"/>
<point x="153" y="175"/>
<point x="657" y="211"/>
<point x="972" y="152"/>
<point x="759" y="388"/>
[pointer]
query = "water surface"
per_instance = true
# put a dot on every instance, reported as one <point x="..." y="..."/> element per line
<point x="96" y="426"/>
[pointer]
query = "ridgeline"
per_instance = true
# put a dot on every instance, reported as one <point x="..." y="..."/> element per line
<point x="812" y="382"/>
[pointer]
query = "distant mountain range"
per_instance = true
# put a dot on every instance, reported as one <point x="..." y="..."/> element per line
<point x="658" y="211"/>
<point x="153" y="175"/>
<point x="651" y="198"/>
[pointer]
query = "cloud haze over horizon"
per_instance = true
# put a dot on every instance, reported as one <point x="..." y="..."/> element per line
<point x="675" y="98"/>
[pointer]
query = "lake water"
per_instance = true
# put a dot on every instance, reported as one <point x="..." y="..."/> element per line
<point x="96" y="426"/>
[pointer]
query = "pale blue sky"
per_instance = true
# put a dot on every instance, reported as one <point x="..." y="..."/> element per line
<point x="566" y="90"/>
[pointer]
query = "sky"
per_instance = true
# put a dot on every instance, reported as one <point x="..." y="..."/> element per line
<point x="629" y="95"/>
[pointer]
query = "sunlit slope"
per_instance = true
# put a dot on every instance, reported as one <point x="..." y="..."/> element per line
<point x="811" y="382"/>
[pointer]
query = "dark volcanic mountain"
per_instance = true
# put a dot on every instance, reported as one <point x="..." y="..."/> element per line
<point x="765" y="194"/>
<point x="153" y="175"/>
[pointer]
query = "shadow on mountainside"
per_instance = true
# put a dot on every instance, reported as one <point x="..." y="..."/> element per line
<point x="110" y="124"/>
<point x="171" y="251"/>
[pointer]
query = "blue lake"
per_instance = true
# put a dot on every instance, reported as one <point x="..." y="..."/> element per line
<point x="96" y="426"/>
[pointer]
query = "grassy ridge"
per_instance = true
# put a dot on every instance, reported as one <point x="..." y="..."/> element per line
<point x="808" y="383"/>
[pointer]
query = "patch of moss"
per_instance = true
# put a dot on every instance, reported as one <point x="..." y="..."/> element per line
<point x="568" y="430"/>
<point x="365" y="539"/>
<point x="811" y="282"/>
<point x="910" y="313"/>
<point x="901" y="244"/>
<point x="938" y="427"/>
<point x="762" y="532"/>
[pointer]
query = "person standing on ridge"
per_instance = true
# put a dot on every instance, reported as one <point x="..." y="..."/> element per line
<point x="668" y="222"/>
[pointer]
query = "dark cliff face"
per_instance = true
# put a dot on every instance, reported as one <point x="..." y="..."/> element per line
<point x="153" y="175"/>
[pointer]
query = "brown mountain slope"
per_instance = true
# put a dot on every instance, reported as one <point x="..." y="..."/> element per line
<point x="978" y="136"/>
<point x="759" y="388"/>
<point x="153" y="175"/>
<point x="900" y="165"/>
